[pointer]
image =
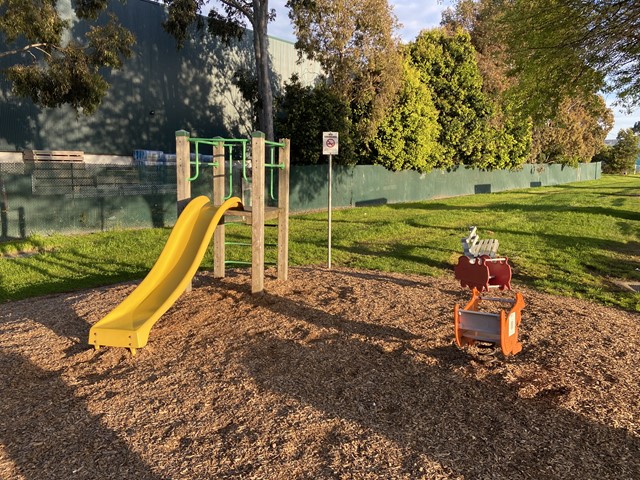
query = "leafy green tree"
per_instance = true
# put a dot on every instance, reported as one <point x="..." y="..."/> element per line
<point x="478" y="17"/>
<point x="408" y="138"/>
<point x="604" y="155"/>
<point x="563" y="48"/>
<point x="509" y="130"/>
<point x="304" y="113"/>
<point x="48" y="66"/>
<point x="354" y="42"/>
<point x="447" y="66"/>
<point x="228" y="20"/>
<point x="505" y="144"/>
<point x="624" y="153"/>
<point x="575" y="135"/>
<point x="568" y="129"/>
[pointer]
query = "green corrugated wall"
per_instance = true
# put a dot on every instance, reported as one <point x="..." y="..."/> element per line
<point x="159" y="90"/>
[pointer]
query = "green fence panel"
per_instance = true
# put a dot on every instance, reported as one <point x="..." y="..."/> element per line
<point x="309" y="187"/>
<point x="55" y="197"/>
<point x="51" y="197"/>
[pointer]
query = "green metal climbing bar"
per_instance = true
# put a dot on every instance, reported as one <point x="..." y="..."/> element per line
<point x="229" y="144"/>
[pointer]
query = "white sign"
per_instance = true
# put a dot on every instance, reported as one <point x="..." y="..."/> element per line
<point x="512" y="324"/>
<point x="330" y="143"/>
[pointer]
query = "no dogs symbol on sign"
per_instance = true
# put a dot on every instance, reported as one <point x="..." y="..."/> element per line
<point x="330" y="143"/>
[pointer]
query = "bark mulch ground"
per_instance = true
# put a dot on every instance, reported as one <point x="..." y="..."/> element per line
<point x="333" y="374"/>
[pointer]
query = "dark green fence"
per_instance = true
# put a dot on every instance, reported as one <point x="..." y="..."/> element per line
<point x="56" y="197"/>
<point x="375" y="185"/>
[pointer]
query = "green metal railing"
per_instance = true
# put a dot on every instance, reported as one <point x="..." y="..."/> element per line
<point x="273" y="165"/>
<point x="229" y="144"/>
<point x="198" y="141"/>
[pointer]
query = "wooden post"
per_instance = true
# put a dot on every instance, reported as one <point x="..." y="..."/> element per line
<point x="218" y="199"/>
<point x="257" y="212"/>
<point x="183" y="169"/>
<point x="183" y="173"/>
<point x="284" y="156"/>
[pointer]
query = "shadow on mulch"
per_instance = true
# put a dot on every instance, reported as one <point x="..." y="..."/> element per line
<point x="470" y="426"/>
<point x="49" y="434"/>
<point x="380" y="276"/>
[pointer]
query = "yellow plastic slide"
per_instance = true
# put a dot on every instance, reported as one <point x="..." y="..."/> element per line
<point x="128" y="325"/>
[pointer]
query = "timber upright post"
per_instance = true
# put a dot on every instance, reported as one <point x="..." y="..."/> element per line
<point x="218" y="199"/>
<point x="257" y="211"/>
<point x="183" y="169"/>
<point x="183" y="172"/>
<point x="284" y="158"/>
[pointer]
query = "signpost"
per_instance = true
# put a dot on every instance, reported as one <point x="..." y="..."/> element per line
<point x="329" y="147"/>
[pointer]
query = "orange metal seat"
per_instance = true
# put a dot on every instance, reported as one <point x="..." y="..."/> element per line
<point x="501" y="328"/>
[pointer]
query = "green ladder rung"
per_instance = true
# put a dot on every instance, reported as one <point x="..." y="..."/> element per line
<point x="240" y="262"/>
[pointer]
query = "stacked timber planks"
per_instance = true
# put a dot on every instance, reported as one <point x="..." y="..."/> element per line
<point x="53" y="156"/>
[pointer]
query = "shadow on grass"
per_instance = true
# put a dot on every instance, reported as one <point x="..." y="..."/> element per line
<point x="74" y="272"/>
<point x="519" y="207"/>
<point x="399" y="251"/>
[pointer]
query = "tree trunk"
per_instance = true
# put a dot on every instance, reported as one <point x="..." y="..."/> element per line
<point x="261" y="50"/>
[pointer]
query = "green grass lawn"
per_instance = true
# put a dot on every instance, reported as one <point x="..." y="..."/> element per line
<point x="580" y="239"/>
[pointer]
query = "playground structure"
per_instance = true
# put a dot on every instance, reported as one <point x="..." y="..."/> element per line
<point x="255" y="214"/>
<point x="200" y="219"/>
<point x="480" y="269"/>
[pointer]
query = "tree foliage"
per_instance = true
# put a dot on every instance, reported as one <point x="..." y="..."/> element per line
<point x="576" y="133"/>
<point x="478" y="18"/>
<point x="304" y="113"/>
<point x="228" y="20"/>
<point x="569" y="124"/>
<point x="408" y="137"/>
<point x="624" y="154"/>
<point x="560" y="48"/>
<point x="354" y="42"/>
<point x="447" y="66"/>
<point x="51" y="69"/>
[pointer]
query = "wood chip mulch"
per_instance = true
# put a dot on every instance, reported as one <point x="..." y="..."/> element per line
<point x="333" y="374"/>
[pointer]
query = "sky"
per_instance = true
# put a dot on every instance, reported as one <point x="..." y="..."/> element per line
<point x="415" y="16"/>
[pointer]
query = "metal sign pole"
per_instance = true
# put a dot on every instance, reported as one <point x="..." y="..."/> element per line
<point x="329" y="147"/>
<point x="329" y="216"/>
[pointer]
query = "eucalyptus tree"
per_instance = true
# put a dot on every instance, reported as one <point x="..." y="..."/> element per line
<point x="48" y="64"/>
<point x="576" y="132"/>
<point x="228" y="19"/>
